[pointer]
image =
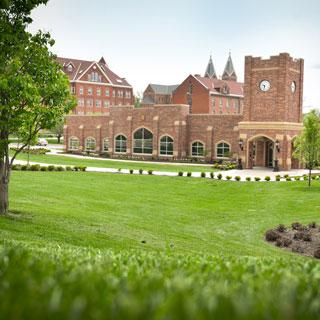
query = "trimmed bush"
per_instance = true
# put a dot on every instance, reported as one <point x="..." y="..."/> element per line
<point x="60" y="168"/>
<point x="131" y="171"/>
<point x="237" y="178"/>
<point x="68" y="168"/>
<point x="267" y="178"/>
<point x="140" y="171"/>
<point x="16" y="167"/>
<point x="219" y="176"/>
<point x="288" y="178"/>
<point x="228" y="177"/>
<point x="150" y="171"/>
<point x="211" y="175"/>
<point x="278" y="178"/>
<point x="119" y="170"/>
<point x="43" y="169"/>
<point x="189" y="174"/>
<point x="297" y="178"/>
<point x="305" y="178"/>
<point x="180" y="173"/>
<point x="51" y="168"/>
<point x="281" y="228"/>
<point x="35" y="167"/>
<point x="203" y="174"/>
<point x="257" y="178"/>
<point x="248" y="178"/>
<point x="25" y="167"/>
<point x="286" y="242"/>
<point x="272" y="235"/>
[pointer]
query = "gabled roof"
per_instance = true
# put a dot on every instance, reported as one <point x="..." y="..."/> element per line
<point x="210" y="71"/>
<point x="229" y="72"/>
<point x="163" y="89"/>
<point x="80" y="67"/>
<point x="215" y="86"/>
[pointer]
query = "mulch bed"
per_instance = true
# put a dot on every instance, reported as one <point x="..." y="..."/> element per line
<point x="304" y="240"/>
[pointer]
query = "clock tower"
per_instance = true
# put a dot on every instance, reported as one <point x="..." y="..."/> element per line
<point x="272" y="112"/>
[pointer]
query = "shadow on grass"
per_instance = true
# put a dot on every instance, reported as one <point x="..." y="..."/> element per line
<point x="17" y="215"/>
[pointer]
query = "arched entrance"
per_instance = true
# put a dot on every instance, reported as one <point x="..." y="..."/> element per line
<point x="261" y="152"/>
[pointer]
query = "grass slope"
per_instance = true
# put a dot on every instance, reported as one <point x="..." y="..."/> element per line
<point x="73" y="249"/>
<point x="69" y="161"/>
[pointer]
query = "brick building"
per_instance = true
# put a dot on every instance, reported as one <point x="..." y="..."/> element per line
<point x="95" y="86"/>
<point x="259" y="129"/>
<point x="158" y="94"/>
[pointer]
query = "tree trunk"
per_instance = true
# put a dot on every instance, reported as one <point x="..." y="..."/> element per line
<point x="59" y="138"/>
<point x="309" y="177"/>
<point x="4" y="188"/>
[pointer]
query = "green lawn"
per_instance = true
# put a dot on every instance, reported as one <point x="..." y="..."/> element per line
<point x="95" y="246"/>
<point x="62" y="160"/>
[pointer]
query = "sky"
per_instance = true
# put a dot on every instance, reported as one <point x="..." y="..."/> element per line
<point x="165" y="41"/>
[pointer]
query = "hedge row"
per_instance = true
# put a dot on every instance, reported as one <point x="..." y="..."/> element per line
<point x="37" y="167"/>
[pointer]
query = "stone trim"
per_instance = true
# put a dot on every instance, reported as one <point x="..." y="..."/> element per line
<point x="270" y="125"/>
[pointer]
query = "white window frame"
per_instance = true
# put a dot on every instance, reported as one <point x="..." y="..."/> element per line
<point x="72" y="141"/>
<point x="197" y="155"/>
<point x="88" y="142"/>
<point x="223" y="147"/>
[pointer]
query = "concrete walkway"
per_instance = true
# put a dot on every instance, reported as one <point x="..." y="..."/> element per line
<point x="243" y="174"/>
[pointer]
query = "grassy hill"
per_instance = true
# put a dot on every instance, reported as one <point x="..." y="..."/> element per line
<point x="92" y="246"/>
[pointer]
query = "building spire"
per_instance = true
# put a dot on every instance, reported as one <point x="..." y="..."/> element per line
<point x="210" y="71"/>
<point x="229" y="72"/>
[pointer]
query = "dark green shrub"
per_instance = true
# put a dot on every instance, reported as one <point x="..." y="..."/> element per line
<point x="68" y="168"/>
<point x="281" y="228"/>
<point x="43" y="168"/>
<point x="248" y="178"/>
<point x="228" y="177"/>
<point x="203" y="174"/>
<point x="288" y="178"/>
<point x="189" y="174"/>
<point x="237" y="178"/>
<point x="313" y="177"/>
<point x="131" y="171"/>
<point x="257" y="178"/>
<point x="52" y="168"/>
<point x="16" y="167"/>
<point x="267" y="178"/>
<point x="60" y="168"/>
<point x="83" y="168"/>
<point x="305" y="178"/>
<point x="211" y="175"/>
<point x="297" y="178"/>
<point x="180" y="173"/>
<point x="150" y="171"/>
<point x="35" y="167"/>
<point x="140" y="171"/>
<point x="25" y="167"/>
<point x="278" y="178"/>
<point x="219" y="176"/>
<point x="272" y="235"/>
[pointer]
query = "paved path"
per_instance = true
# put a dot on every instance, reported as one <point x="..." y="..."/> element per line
<point x="257" y="172"/>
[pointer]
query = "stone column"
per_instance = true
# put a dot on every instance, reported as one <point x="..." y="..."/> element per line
<point x="155" y="140"/>
<point x="129" y="138"/>
<point x="81" y="138"/>
<point x="112" y="137"/>
<point x="208" y="155"/>
<point x="65" y="138"/>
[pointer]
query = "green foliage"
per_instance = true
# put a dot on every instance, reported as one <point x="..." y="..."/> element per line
<point x="257" y="178"/>
<point x="219" y="176"/>
<point x="180" y="173"/>
<point x="237" y="178"/>
<point x="267" y="178"/>
<point x="203" y="175"/>
<point x="248" y="178"/>
<point x="150" y="172"/>
<point x="189" y="174"/>
<point x="228" y="177"/>
<point x="39" y="151"/>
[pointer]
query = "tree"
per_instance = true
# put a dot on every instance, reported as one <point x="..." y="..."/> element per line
<point x="58" y="129"/>
<point x="34" y="92"/>
<point x="307" y="144"/>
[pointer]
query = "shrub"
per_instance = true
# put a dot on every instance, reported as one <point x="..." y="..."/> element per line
<point x="267" y="178"/>
<point x="131" y="171"/>
<point x="35" y="167"/>
<point x="25" y="167"/>
<point x="288" y="179"/>
<point x="278" y="178"/>
<point x="299" y="235"/>
<point x="82" y="168"/>
<point x="272" y="235"/>
<point x="307" y="237"/>
<point x="228" y="177"/>
<point x="203" y="174"/>
<point x="312" y="224"/>
<point x="43" y="169"/>
<point x="297" y="178"/>
<point x="281" y="228"/>
<point x="286" y="242"/>
<point x="257" y="178"/>
<point x="68" y="168"/>
<point x="279" y="242"/>
<point x="140" y="171"/>
<point x="188" y="174"/>
<point x="316" y="253"/>
<point x="211" y="175"/>
<point x="16" y="167"/>
<point x="51" y="168"/>
<point x="60" y="168"/>
<point x="180" y="173"/>
<point x="150" y="171"/>
<point x="237" y="178"/>
<point x="219" y="176"/>
<point x="286" y="176"/>
<point x="248" y="178"/>
<point x="296" y="226"/>
<point x="119" y="170"/>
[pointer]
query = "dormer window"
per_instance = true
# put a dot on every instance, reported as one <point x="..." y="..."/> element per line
<point x="70" y="68"/>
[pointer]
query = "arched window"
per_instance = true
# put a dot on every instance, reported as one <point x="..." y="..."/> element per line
<point x="223" y="150"/>
<point x="197" y="149"/>
<point x="166" y="146"/>
<point x="121" y="144"/>
<point x="106" y="145"/>
<point x="142" y="141"/>
<point x="74" y="143"/>
<point x="90" y="144"/>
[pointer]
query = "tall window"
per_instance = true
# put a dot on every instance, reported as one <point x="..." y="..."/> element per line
<point x="89" y="91"/>
<point x="81" y="90"/>
<point x="90" y="144"/>
<point x="142" y="141"/>
<point x="106" y="103"/>
<point x="166" y="146"/>
<point x="89" y="103"/>
<point x="98" y="92"/>
<point x="98" y="103"/>
<point x="74" y="143"/>
<point x="106" y="145"/>
<point x="107" y="92"/>
<point x="223" y="150"/>
<point x="197" y="149"/>
<point x="121" y="144"/>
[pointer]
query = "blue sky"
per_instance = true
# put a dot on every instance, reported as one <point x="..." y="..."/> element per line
<point x="164" y="41"/>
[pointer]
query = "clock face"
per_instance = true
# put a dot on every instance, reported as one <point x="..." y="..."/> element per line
<point x="293" y="86"/>
<point x="264" y="85"/>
